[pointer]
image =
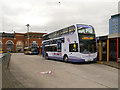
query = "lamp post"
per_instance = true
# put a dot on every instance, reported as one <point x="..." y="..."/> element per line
<point x="28" y="33"/>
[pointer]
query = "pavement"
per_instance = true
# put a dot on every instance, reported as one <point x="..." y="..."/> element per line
<point x="112" y="64"/>
<point x="27" y="70"/>
<point x="0" y="77"/>
<point x="1" y="71"/>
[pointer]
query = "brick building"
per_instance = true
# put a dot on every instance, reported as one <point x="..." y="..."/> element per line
<point x="15" y="42"/>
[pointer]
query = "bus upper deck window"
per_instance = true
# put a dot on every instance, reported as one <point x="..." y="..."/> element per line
<point x="65" y="31"/>
<point x="71" y="29"/>
<point x="57" y="34"/>
<point x="85" y="30"/>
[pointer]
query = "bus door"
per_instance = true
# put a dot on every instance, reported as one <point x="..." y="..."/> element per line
<point x="73" y="49"/>
<point x="60" y="42"/>
<point x="59" y="48"/>
<point x="59" y="45"/>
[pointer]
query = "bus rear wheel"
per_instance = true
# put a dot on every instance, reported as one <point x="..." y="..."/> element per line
<point x="65" y="58"/>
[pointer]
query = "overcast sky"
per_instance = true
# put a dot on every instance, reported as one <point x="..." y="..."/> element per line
<point x="50" y="15"/>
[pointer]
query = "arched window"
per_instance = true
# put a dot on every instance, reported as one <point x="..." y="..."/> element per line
<point x="19" y="46"/>
<point x="9" y="46"/>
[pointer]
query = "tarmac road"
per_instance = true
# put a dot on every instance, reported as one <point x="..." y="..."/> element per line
<point x="27" y="68"/>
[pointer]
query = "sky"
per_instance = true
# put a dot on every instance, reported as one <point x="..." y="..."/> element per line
<point x="49" y="15"/>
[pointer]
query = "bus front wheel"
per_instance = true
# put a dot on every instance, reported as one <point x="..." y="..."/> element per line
<point x="65" y="58"/>
<point x="47" y="56"/>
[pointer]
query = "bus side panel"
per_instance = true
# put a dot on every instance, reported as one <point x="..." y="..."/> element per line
<point x="65" y="47"/>
<point x="55" y="55"/>
<point x="69" y="40"/>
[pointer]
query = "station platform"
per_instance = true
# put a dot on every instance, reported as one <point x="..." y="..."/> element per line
<point x="111" y="63"/>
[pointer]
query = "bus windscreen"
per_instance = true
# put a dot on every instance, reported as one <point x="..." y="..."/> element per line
<point x="85" y="29"/>
<point x="87" y="47"/>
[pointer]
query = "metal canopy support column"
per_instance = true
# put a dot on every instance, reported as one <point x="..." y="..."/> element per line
<point x="100" y="51"/>
<point x="117" y="49"/>
<point x="107" y="50"/>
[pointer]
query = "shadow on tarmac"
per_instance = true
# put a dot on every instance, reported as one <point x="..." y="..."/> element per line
<point x="75" y="63"/>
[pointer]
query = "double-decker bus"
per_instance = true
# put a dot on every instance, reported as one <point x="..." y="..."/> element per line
<point x="31" y="50"/>
<point x="75" y="43"/>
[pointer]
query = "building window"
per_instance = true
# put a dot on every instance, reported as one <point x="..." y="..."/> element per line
<point x="26" y="43"/>
<point x="19" y="46"/>
<point x="113" y="23"/>
<point x="33" y="36"/>
<point x="34" y="43"/>
<point x="30" y="36"/>
<point x="40" y="36"/>
<point x="9" y="46"/>
<point x="113" y="26"/>
<point x="8" y="35"/>
<point x="37" y="36"/>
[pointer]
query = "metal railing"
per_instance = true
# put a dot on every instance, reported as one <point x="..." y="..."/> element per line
<point x="1" y="56"/>
<point x="8" y="80"/>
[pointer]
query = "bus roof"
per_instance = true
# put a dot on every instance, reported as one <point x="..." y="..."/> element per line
<point x="63" y="28"/>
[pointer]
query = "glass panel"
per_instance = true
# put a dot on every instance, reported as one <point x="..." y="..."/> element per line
<point x="73" y="47"/>
<point x="85" y="29"/>
<point x="51" y="36"/>
<point x="51" y="48"/>
<point x="54" y="35"/>
<point x="60" y="33"/>
<point x="71" y="29"/>
<point x="65" y="31"/>
<point x="9" y="42"/>
<point x="59" y="47"/>
<point x="87" y="47"/>
<point x="113" y="49"/>
<point x="57" y="34"/>
<point x="45" y="37"/>
<point x="34" y="44"/>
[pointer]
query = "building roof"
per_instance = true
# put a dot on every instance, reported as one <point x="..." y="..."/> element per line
<point x="116" y="15"/>
<point x="102" y="37"/>
<point x="4" y="34"/>
<point x="35" y="33"/>
<point x="114" y="35"/>
<point x="22" y="33"/>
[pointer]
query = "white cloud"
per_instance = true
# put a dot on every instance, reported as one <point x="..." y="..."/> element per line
<point x="50" y="14"/>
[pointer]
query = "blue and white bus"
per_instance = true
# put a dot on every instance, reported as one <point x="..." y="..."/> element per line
<point x="31" y="50"/>
<point x="75" y="43"/>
